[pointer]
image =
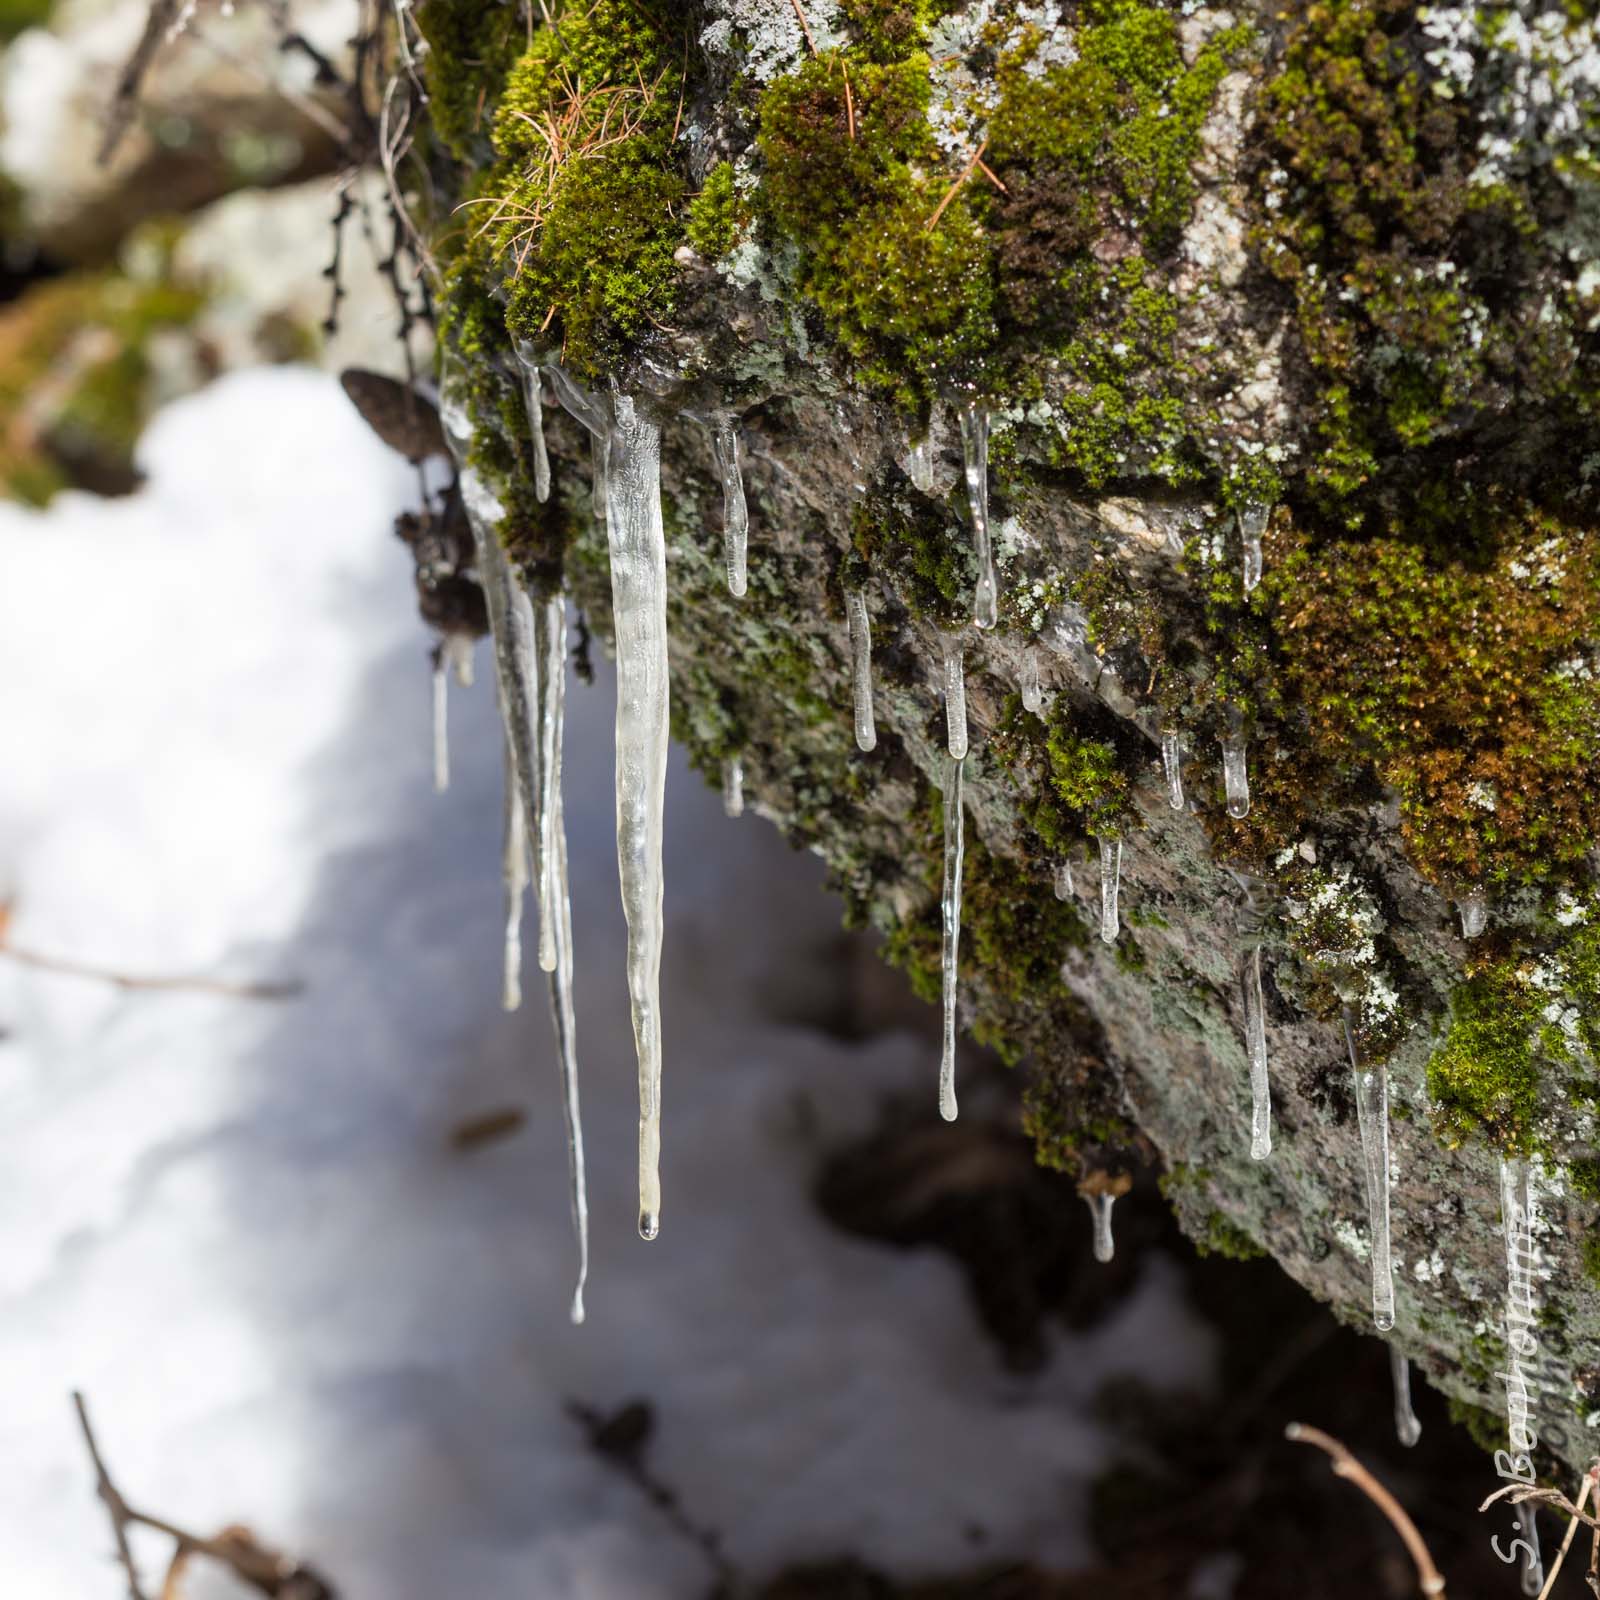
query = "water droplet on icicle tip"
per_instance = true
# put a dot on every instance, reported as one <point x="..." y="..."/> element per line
<point x="649" y="1224"/>
<point x="975" y="458"/>
<point x="1064" y="886"/>
<point x="1474" y="908"/>
<point x="1372" y="1114"/>
<point x="1172" y="766"/>
<point x="1105" y="1245"/>
<point x="1406" y="1427"/>
<point x="1110" y="887"/>
<point x="733" y="787"/>
<point x="950" y="919"/>
<point x="735" y="512"/>
<point x="1255" y="1032"/>
<point x="1236" y="772"/>
<point x="1252" y="524"/>
<point x="955" y="701"/>
<point x="1032" y="691"/>
<point x="441" y="723"/>
<point x="855" y="602"/>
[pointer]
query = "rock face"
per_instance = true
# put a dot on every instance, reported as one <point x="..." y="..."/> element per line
<point x="1326" y="274"/>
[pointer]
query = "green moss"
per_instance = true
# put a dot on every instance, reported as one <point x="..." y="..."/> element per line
<point x="1087" y="778"/>
<point x="1487" y="1429"/>
<point x="910" y="542"/>
<point x="1583" y="1176"/>
<point x="1484" y="1077"/>
<point x="471" y="47"/>
<point x="715" y="213"/>
<point x="1589" y="1253"/>
<point x="1224" y="1237"/>
<point x="887" y="31"/>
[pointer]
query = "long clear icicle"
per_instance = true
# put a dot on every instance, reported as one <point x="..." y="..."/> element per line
<point x="1172" y="766"/>
<point x="855" y="605"/>
<point x="955" y="701"/>
<point x="1105" y="1246"/>
<point x="1110" y="887"/>
<point x="514" y="871"/>
<point x="639" y="609"/>
<point x="975" y="456"/>
<point x="1474" y="908"/>
<point x="1372" y="1114"/>
<point x="1255" y="1033"/>
<point x="1252" y="524"/>
<point x="441" y="723"/>
<point x="1406" y="1427"/>
<point x="533" y="401"/>
<point x="1236" y="772"/>
<point x="1064" y="886"/>
<point x="1032" y="690"/>
<point x="950" y="906"/>
<point x="733" y="787"/>
<point x="735" y="513"/>
<point x="551" y="634"/>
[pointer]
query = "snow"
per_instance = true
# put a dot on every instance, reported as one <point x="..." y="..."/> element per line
<point x="238" y="1225"/>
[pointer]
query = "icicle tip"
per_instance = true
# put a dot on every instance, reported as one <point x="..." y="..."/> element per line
<point x="649" y="1224"/>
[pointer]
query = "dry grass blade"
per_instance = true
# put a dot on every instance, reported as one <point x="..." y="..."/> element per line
<point x="1345" y="1465"/>
<point x="955" y="188"/>
<point x="805" y="27"/>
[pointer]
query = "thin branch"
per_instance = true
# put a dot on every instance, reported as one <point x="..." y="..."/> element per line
<point x="849" y="102"/>
<point x="116" y="1507"/>
<point x="1572" y="1528"/>
<point x="125" y="98"/>
<point x="1345" y="1465"/>
<point x="129" y="980"/>
<point x="1519" y="1493"/>
<point x="805" y="27"/>
<point x="954" y="189"/>
<point x="988" y="172"/>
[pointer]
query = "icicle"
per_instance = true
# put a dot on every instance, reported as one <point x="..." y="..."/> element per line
<point x="514" y="871"/>
<point x="600" y="499"/>
<point x="1110" y="884"/>
<point x="457" y="651"/>
<point x="919" y="461"/>
<point x="1372" y="1114"/>
<point x="1172" y="764"/>
<point x="735" y="513"/>
<point x="533" y="403"/>
<point x="1105" y="1247"/>
<point x="1474" y="908"/>
<point x="855" y="603"/>
<point x="1032" y="693"/>
<point x="1252" y="524"/>
<point x="551" y="640"/>
<point x="1064" y="886"/>
<point x="1255" y="1033"/>
<point x="1406" y="1427"/>
<point x="955" y="701"/>
<point x="441" y="724"/>
<point x="975" y="454"/>
<point x="639" y="610"/>
<point x="951" y="917"/>
<point x="1235" y="772"/>
<point x="733" y="787"/>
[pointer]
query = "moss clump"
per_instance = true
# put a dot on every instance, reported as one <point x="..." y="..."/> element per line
<point x="1484" y="1078"/>
<point x="1465" y="677"/>
<point x="471" y="47"/>
<point x="715" y="214"/>
<point x="889" y="30"/>
<point x="1589" y="1253"/>
<point x="1224" y="1237"/>
<point x="909" y="540"/>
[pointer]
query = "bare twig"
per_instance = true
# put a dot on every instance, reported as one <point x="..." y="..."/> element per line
<point x="988" y="172"/>
<point x="125" y="98"/>
<point x="1345" y="1465"/>
<point x="805" y="27"/>
<point x="1572" y="1527"/>
<point x="849" y="102"/>
<point x="955" y="188"/>
<point x="116" y="1508"/>
<point x="128" y="980"/>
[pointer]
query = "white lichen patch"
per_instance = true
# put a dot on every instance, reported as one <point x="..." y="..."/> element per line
<point x="766" y="36"/>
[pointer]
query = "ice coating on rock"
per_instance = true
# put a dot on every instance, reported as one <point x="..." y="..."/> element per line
<point x="1474" y="908"/>
<point x="550" y="643"/>
<point x="1105" y="1246"/>
<point x="441" y="724"/>
<point x="975" y="458"/>
<point x="1372" y="1114"/>
<point x="1032" y="691"/>
<point x="1255" y="1033"/>
<point x="1406" y="1427"/>
<point x="855" y="602"/>
<point x="533" y="400"/>
<point x="1236" y="772"/>
<point x="955" y="701"/>
<point x="1172" y="766"/>
<point x="950" y="908"/>
<point x="1252" y="524"/>
<point x="514" y="874"/>
<point x="1064" y="885"/>
<point x="733" y="787"/>
<point x="919" y="461"/>
<point x="637" y="542"/>
<point x="735" y="513"/>
<point x="1110" y="887"/>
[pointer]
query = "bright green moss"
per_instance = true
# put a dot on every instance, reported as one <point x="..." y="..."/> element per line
<point x="471" y="47"/>
<point x="1224" y="1237"/>
<point x="714" y="213"/>
<point x="1087" y="778"/>
<point x="889" y="30"/>
<point x="908" y="541"/>
<point x="1484" y="1078"/>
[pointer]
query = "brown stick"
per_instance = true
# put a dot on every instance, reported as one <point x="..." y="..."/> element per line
<point x="849" y="104"/>
<point x="116" y="1507"/>
<point x="130" y="980"/>
<point x="954" y="189"/>
<point x="805" y="27"/>
<point x="1345" y="1465"/>
<point x="1566" y="1543"/>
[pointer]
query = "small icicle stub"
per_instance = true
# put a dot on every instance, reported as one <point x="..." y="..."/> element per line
<point x="1110" y="889"/>
<point x="1406" y="1427"/>
<point x="1172" y="767"/>
<point x="855" y="602"/>
<point x="975" y="458"/>
<point x="1255" y="1033"/>
<point x="533" y="401"/>
<point x="441" y="722"/>
<point x="1474" y="909"/>
<point x="1032" y="690"/>
<point x="1372" y="1115"/>
<point x="735" y="512"/>
<point x="955" y="701"/>
<point x="1105" y="1245"/>
<point x="733" y="787"/>
<point x="950" y="918"/>
<point x="1064" y="886"/>
<point x="1252" y="524"/>
<point x="1235" y="767"/>
<point x="919" y="458"/>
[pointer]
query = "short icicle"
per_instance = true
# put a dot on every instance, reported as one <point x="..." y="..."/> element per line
<point x="1236" y="771"/>
<point x="1064" y="885"/>
<point x="1255" y="1032"/>
<point x="1105" y="1246"/>
<point x="950" y="905"/>
<point x="1032" y="690"/>
<point x="1252" y="524"/>
<point x="1372" y="1114"/>
<point x="441" y="723"/>
<point x="514" y="871"/>
<point x="733" y="787"/>
<point x="855" y="601"/>
<point x="457" y="648"/>
<point x="735" y="512"/>
<point x="975" y="456"/>
<point x="1474" y="908"/>
<point x="533" y="399"/>
<point x="919" y="458"/>
<point x="1110" y="886"/>
<point x="1406" y="1427"/>
<point x="1172" y="766"/>
<point x="955" y="701"/>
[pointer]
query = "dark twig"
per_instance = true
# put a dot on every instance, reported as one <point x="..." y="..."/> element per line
<point x="125" y="98"/>
<point x="115" y="1506"/>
